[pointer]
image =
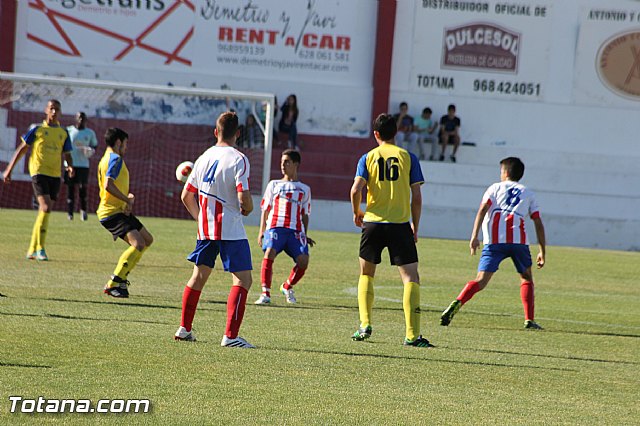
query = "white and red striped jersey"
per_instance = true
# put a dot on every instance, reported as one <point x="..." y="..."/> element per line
<point x="509" y="203"/>
<point x="217" y="177"/>
<point x="288" y="202"/>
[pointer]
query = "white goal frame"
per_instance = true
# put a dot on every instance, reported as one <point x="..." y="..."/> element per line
<point x="268" y="98"/>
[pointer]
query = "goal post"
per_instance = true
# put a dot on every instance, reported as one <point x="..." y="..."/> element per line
<point x="166" y="124"/>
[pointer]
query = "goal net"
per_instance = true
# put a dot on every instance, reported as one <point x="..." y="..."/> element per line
<point x="166" y="125"/>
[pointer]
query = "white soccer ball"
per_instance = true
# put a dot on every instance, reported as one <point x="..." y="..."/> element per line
<point x="183" y="171"/>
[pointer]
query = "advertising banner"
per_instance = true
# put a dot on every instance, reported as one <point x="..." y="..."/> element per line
<point x="329" y="41"/>
<point x="310" y="40"/>
<point x="608" y="57"/>
<point x="121" y="34"/>
<point x="491" y="48"/>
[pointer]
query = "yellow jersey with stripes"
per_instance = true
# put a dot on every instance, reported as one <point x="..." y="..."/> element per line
<point x="47" y="143"/>
<point x="112" y="166"/>
<point x="389" y="171"/>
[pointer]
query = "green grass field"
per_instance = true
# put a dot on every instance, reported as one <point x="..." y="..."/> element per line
<point x="62" y="338"/>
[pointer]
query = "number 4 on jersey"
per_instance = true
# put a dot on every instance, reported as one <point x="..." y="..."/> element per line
<point x="209" y="177"/>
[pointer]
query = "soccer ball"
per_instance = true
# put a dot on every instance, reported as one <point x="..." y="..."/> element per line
<point x="183" y="171"/>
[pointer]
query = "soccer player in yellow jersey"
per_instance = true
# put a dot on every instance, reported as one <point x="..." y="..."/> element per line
<point x="48" y="141"/>
<point x="114" y="211"/>
<point x="393" y="177"/>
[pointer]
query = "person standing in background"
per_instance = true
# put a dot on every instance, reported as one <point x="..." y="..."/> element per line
<point x="47" y="141"/>
<point x="84" y="142"/>
<point x="288" y="120"/>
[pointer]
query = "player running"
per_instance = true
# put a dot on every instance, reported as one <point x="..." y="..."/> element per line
<point x="114" y="211"/>
<point x="393" y="177"/>
<point x="284" y="223"/>
<point x="47" y="142"/>
<point x="504" y="206"/>
<point x="217" y="196"/>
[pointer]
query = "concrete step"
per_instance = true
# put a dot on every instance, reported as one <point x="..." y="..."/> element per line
<point x="611" y="182"/>
<point x="558" y="203"/>
<point x="559" y="160"/>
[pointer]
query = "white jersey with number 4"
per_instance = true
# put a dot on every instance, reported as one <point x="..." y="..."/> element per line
<point x="509" y="203"/>
<point x="288" y="202"/>
<point x="217" y="177"/>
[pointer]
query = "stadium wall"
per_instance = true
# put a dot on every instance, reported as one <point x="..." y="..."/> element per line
<point x="575" y="128"/>
<point x="570" y="122"/>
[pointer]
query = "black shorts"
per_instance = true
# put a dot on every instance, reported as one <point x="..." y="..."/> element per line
<point x="80" y="178"/>
<point x="121" y="224"/>
<point x="397" y="237"/>
<point x="46" y="185"/>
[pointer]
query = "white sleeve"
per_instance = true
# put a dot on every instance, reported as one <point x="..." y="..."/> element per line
<point x="489" y="195"/>
<point x="533" y="205"/>
<point x="242" y="174"/>
<point x="307" y="203"/>
<point x="267" y="198"/>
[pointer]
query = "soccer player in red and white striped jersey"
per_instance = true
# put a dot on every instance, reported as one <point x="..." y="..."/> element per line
<point x="501" y="214"/>
<point x="284" y="222"/>
<point x="217" y="195"/>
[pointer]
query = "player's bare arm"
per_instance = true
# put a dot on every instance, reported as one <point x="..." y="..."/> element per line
<point x="542" y="243"/>
<point x="356" y="199"/>
<point x="263" y="225"/>
<point x="17" y="155"/>
<point x="305" y="222"/>
<point x="111" y="188"/>
<point x="70" y="170"/>
<point x="190" y="203"/>
<point x="474" y="243"/>
<point x="416" y="209"/>
<point x="246" y="202"/>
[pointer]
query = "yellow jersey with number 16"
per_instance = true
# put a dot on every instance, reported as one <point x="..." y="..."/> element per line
<point x="389" y="171"/>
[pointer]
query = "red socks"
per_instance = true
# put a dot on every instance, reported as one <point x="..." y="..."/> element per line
<point x="526" y="294"/>
<point x="266" y="274"/>
<point x="235" y="310"/>
<point x="468" y="291"/>
<point x="295" y="276"/>
<point x="190" y="299"/>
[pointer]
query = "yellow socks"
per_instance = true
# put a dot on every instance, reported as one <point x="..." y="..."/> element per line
<point x="34" y="236"/>
<point x="411" y="307"/>
<point x="365" y="299"/>
<point x="126" y="263"/>
<point x="39" y="232"/>
<point x="133" y="262"/>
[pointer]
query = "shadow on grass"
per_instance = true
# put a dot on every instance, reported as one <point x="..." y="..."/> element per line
<point x="112" y="262"/>
<point x="403" y="357"/>
<point x="569" y="358"/>
<point x="599" y="333"/>
<point x="110" y="301"/>
<point x="11" y="364"/>
<point x="558" y="331"/>
<point x="69" y="317"/>
<point x="323" y="307"/>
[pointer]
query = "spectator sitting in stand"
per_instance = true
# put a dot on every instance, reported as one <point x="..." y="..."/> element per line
<point x="450" y="132"/>
<point x="426" y="130"/>
<point x="406" y="137"/>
